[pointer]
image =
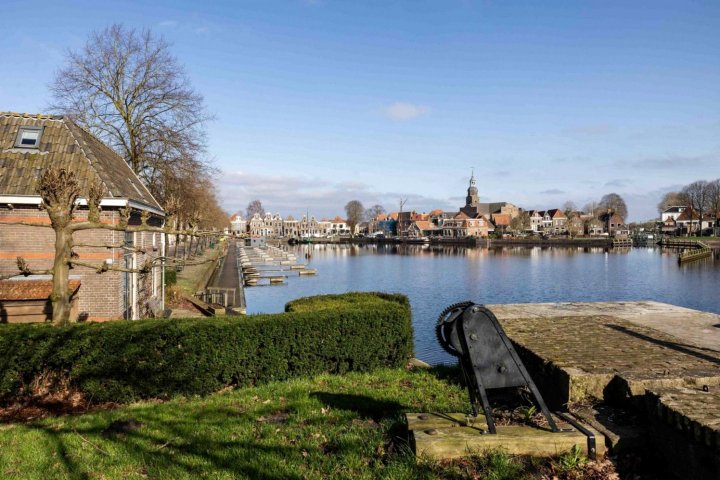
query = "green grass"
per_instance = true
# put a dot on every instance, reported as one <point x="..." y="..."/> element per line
<point x="325" y="427"/>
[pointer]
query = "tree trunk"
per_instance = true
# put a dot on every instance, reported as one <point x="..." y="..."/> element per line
<point x="60" y="296"/>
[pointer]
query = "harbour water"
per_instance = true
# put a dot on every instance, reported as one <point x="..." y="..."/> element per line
<point x="434" y="277"/>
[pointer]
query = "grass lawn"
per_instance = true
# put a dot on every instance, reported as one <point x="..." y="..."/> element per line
<point x="328" y="427"/>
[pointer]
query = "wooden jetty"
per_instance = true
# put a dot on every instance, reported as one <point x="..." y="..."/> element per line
<point x="269" y="266"/>
<point x="690" y="250"/>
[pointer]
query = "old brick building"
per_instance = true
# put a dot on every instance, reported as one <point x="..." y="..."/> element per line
<point x="28" y="145"/>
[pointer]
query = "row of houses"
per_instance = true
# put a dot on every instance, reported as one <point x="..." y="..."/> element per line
<point x="454" y="225"/>
<point x="684" y="220"/>
<point x="274" y="225"/>
<point x="475" y="219"/>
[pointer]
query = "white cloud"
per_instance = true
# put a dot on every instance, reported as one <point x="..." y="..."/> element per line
<point x="290" y="195"/>
<point x="405" y="111"/>
<point x="168" y="24"/>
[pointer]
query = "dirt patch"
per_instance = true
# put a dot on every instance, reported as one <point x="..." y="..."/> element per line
<point x="49" y="395"/>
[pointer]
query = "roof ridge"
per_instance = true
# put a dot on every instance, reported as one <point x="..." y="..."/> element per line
<point x="40" y="116"/>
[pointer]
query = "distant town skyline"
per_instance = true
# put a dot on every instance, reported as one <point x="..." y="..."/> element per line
<point x="321" y="102"/>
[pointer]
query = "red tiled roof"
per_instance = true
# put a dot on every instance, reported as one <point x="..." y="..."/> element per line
<point x="30" y="289"/>
<point x="501" y="219"/>
<point x="425" y="225"/>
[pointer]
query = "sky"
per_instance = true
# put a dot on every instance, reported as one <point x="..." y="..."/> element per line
<point x="319" y="102"/>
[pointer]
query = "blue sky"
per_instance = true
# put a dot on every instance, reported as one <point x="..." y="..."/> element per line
<point x="321" y="102"/>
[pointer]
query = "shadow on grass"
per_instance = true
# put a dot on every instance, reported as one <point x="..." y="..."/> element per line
<point x="366" y="407"/>
<point x="187" y="446"/>
<point x="448" y="373"/>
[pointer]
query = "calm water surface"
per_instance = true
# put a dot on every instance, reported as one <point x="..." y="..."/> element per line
<point x="435" y="277"/>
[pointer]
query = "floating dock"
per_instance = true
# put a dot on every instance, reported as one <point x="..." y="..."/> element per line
<point x="269" y="266"/>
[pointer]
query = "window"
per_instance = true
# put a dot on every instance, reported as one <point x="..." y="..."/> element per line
<point x="29" y="137"/>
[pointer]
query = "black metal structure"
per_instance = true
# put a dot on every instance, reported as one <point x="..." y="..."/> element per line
<point x="487" y="358"/>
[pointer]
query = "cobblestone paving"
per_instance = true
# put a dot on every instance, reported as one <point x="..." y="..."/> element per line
<point x="692" y="411"/>
<point x="691" y="326"/>
<point x="602" y="344"/>
<point x="664" y="357"/>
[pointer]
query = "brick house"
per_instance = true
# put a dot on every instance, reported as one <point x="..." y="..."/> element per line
<point x="558" y="221"/>
<point x="462" y="226"/>
<point x="28" y="145"/>
<point x="536" y="220"/>
<point x="614" y="224"/>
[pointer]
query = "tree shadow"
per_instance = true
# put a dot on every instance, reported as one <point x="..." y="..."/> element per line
<point x="697" y="352"/>
<point x="196" y="443"/>
<point x="366" y="407"/>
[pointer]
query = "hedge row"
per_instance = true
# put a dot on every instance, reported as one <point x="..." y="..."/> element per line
<point x="126" y="361"/>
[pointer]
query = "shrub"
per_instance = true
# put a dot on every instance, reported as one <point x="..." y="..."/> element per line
<point x="126" y="361"/>
<point x="170" y="277"/>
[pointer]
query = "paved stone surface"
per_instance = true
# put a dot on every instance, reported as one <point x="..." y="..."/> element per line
<point x="594" y="351"/>
<point x="659" y="356"/>
<point x="628" y="346"/>
<point x="692" y="411"/>
<point x="691" y="326"/>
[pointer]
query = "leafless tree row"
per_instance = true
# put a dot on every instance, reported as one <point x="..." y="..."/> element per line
<point x="702" y="196"/>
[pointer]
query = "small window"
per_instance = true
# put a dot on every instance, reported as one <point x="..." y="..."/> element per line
<point x="29" y="137"/>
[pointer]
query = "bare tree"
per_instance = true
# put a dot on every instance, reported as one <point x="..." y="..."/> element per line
<point x="698" y="197"/>
<point x="373" y="212"/>
<point x="254" y="207"/>
<point x="591" y="208"/>
<point x="671" y="199"/>
<point x="127" y="89"/>
<point x="569" y="207"/>
<point x="354" y="210"/>
<point x="714" y="198"/>
<point x="614" y="202"/>
<point x="521" y="223"/>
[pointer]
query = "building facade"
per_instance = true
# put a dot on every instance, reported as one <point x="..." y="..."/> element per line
<point x="29" y="144"/>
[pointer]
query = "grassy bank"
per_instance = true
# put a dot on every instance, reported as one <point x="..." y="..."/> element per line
<point x="328" y="426"/>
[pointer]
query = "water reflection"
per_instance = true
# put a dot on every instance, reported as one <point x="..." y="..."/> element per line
<point x="435" y="276"/>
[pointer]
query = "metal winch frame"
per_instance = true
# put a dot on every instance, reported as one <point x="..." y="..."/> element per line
<point x="487" y="357"/>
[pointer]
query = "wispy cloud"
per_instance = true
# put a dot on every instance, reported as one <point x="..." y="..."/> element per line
<point x="405" y="111"/>
<point x="618" y="182"/>
<point x="674" y="161"/>
<point x="552" y="191"/>
<point x="168" y="24"/>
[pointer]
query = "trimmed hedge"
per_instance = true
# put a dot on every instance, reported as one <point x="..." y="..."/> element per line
<point x="127" y="361"/>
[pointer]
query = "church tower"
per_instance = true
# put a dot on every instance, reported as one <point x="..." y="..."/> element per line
<point x="472" y="199"/>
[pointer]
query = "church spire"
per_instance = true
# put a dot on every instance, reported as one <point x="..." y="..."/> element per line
<point x="472" y="199"/>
